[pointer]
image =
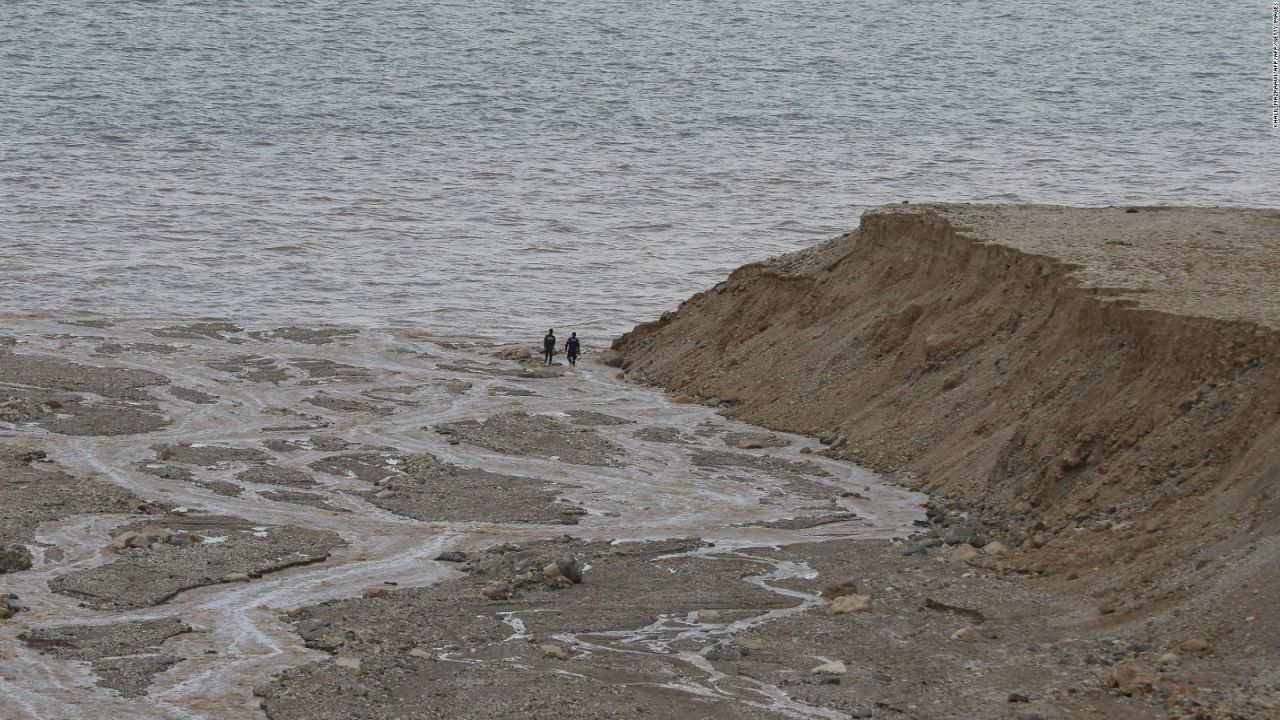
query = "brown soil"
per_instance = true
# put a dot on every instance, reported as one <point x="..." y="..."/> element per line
<point x="1100" y="387"/>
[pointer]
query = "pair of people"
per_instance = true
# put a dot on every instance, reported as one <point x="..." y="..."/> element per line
<point x="572" y="347"/>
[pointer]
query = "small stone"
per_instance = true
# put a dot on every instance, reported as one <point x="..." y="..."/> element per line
<point x="1195" y="646"/>
<point x="374" y="592"/>
<point x="1130" y="680"/>
<point x="1106" y="607"/>
<point x="966" y="634"/>
<point x="1168" y="659"/>
<point x="724" y="651"/>
<point x="994" y="548"/>
<point x="828" y="439"/>
<point x="555" y="652"/>
<point x="496" y="592"/>
<point x="570" y="569"/>
<point x="419" y="653"/>
<point x="806" y="450"/>
<point x="451" y="556"/>
<point x="833" y="667"/>
<point x="833" y="591"/>
<point x="964" y="553"/>
<point x="349" y="663"/>
<point x="1018" y="698"/>
<point x="683" y="399"/>
<point x="850" y="604"/>
<point x="14" y="557"/>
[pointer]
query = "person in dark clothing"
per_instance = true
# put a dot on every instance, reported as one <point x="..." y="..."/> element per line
<point x="549" y="345"/>
<point x="572" y="348"/>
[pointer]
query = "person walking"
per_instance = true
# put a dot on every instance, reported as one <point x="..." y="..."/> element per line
<point x="549" y="345"/>
<point x="572" y="348"/>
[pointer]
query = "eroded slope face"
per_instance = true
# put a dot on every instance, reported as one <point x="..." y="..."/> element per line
<point x="208" y="479"/>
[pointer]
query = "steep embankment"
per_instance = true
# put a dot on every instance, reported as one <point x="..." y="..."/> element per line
<point x="1102" y="385"/>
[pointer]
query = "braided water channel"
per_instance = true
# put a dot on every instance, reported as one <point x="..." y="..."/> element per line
<point x="653" y="490"/>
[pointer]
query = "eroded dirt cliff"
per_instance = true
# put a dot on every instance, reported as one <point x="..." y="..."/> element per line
<point x="1100" y="385"/>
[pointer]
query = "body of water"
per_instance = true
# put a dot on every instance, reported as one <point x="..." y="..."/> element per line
<point x="494" y="168"/>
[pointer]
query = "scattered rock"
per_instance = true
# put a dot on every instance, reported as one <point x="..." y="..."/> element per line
<point x="994" y="548"/>
<point x="349" y="663"/>
<point x="452" y="556"/>
<point x="1018" y="698"/>
<point x="835" y="590"/>
<point x="497" y="592"/>
<point x="555" y="652"/>
<point x="964" y="553"/>
<point x="833" y="667"/>
<point x="1195" y="646"/>
<point x="1130" y="679"/>
<point x="14" y="557"/>
<point x="724" y="651"/>
<point x="850" y="604"/>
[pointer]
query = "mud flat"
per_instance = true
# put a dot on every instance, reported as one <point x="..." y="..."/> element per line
<point x="348" y="523"/>
<point x="1095" y="390"/>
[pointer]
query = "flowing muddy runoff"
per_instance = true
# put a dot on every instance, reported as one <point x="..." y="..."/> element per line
<point x="342" y="523"/>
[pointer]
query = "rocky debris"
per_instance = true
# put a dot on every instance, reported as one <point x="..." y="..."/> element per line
<point x="1130" y="679"/>
<point x="318" y="443"/>
<point x="847" y="604"/>
<point x="370" y="467"/>
<point x="108" y="349"/>
<point x="409" y="642"/>
<point x="142" y="577"/>
<point x="125" y="656"/>
<point x="590" y="417"/>
<point x="841" y="589"/>
<point x="516" y="353"/>
<point x="252" y="368"/>
<point x="55" y="373"/>
<point x="152" y="537"/>
<point x="724" y="651"/>
<point x="521" y="434"/>
<point x="348" y="405"/>
<point x="209" y="456"/>
<point x="31" y="494"/>
<point x="199" y="331"/>
<point x="765" y="463"/>
<point x="14" y="557"/>
<point x="319" y="369"/>
<point x="69" y="414"/>
<point x="523" y="571"/>
<point x="305" y="335"/>
<point x="1195" y="646"/>
<point x="452" y="556"/>
<point x="555" y="652"/>
<point x="754" y="440"/>
<point x="833" y="667"/>
<point x="301" y="498"/>
<point x="225" y="488"/>
<point x="168" y="472"/>
<point x="507" y="391"/>
<point x="275" y="475"/>
<point x="9" y="606"/>
<point x="15" y="409"/>
<point x="193" y="396"/>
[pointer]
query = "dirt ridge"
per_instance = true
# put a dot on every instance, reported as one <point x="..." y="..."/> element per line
<point x="985" y="354"/>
